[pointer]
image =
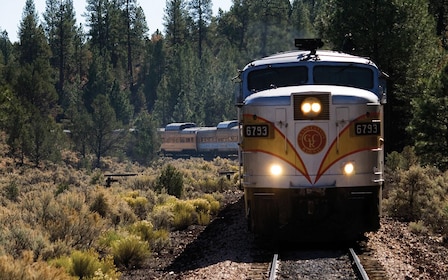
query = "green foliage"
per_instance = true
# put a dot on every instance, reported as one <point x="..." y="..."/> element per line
<point x="429" y="124"/>
<point x="130" y="252"/>
<point x="162" y="217"/>
<point x="138" y="203"/>
<point x="87" y="265"/>
<point x="417" y="194"/>
<point x="171" y="180"/>
<point x="11" y="191"/>
<point x="100" y="205"/>
<point x="71" y="228"/>
<point x="157" y="239"/>
<point x="144" y="142"/>
<point x="26" y="268"/>
<point x="84" y="264"/>
<point x="184" y="215"/>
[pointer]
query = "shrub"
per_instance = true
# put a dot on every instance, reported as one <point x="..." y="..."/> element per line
<point x="202" y="207"/>
<point x="161" y="239"/>
<point x="157" y="239"/>
<point x="74" y="223"/>
<point x="88" y="265"/>
<point x="130" y="252"/>
<point x="26" y="269"/>
<point x="12" y="191"/>
<point x="84" y="264"/>
<point x="143" y="229"/>
<point x="171" y="180"/>
<point x="417" y="227"/>
<point x="138" y="204"/>
<point x="162" y="217"/>
<point x="100" y="205"/>
<point x="419" y="195"/>
<point x="214" y="203"/>
<point x="184" y="215"/>
<point x="21" y="237"/>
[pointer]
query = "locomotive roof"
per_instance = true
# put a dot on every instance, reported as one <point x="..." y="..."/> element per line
<point x="300" y="55"/>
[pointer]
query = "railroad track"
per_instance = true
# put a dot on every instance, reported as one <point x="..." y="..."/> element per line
<point x="318" y="264"/>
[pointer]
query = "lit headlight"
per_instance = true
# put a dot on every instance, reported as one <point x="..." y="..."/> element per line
<point x="349" y="168"/>
<point x="311" y="107"/>
<point x="276" y="170"/>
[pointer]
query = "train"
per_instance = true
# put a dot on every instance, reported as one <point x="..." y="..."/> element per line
<point x="312" y="143"/>
<point x="187" y="139"/>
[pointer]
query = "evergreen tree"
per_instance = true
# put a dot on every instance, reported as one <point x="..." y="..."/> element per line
<point x="399" y="36"/>
<point x="145" y="141"/>
<point x="439" y="9"/>
<point x="201" y="13"/>
<point x="105" y="133"/>
<point x="154" y="68"/>
<point x="301" y="19"/>
<point x="270" y="26"/>
<point x="97" y="20"/>
<point x="61" y="33"/>
<point x="35" y="135"/>
<point x="429" y="124"/>
<point x="175" y="22"/>
<point x="234" y="25"/>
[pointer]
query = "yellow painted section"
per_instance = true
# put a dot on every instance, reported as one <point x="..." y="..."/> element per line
<point x="276" y="144"/>
<point x="348" y="144"/>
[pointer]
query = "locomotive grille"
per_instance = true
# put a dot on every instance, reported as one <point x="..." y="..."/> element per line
<point x="324" y="99"/>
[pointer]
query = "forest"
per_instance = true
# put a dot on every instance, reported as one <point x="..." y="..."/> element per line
<point x="65" y="88"/>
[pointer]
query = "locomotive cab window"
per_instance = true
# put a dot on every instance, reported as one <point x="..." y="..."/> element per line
<point x="352" y="76"/>
<point x="274" y="77"/>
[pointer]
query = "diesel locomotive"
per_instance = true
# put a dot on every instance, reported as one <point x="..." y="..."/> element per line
<point x="312" y="145"/>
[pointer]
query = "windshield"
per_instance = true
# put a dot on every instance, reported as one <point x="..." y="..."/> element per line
<point x="274" y="77"/>
<point x="359" y="77"/>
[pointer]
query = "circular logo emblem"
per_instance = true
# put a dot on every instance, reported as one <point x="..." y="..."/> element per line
<point x="311" y="139"/>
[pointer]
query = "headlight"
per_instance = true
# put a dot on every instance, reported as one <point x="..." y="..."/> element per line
<point x="311" y="107"/>
<point x="276" y="170"/>
<point x="349" y="168"/>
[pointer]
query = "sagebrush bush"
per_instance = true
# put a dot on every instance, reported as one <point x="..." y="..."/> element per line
<point x="214" y="203"/>
<point x="160" y="240"/>
<point x="157" y="239"/>
<point x="74" y="223"/>
<point x="184" y="214"/>
<point x="162" y="217"/>
<point x="139" y="204"/>
<point x="25" y="268"/>
<point x="84" y="264"/>
<point x="59" y="209"/>
<point x="143" y="229"/>
<point x="130" y="252"/>
<point x="88" y="265"/>
<point x="100" y="205"/>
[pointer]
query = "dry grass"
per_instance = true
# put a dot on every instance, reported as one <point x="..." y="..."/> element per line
<point x="65" y="216"/>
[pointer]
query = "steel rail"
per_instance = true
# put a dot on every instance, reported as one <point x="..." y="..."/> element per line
<point x="359" y="266"/>
<point x="273" y="270"/>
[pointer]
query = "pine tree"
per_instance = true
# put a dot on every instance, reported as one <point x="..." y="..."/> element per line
<point x="201" y="13"/>
<point x="61" y="33"/>
<point x="399" y="36"/>
<point x="35" y="136"/>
